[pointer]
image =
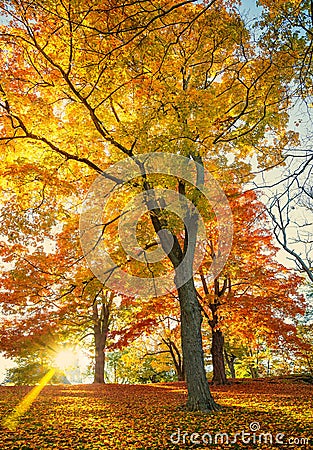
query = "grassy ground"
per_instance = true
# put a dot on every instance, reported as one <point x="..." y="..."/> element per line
<point x="147" y="417"/>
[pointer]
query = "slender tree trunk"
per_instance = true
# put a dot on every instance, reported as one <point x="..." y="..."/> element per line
<point x="177" y="359"/>
<point x="217" y="351"/>
<point x="254" y="368"/>
<point x="181" y="376"/>
<point x="101" y="314"/>
<point x="217" y="347"/>
<point x="199" y="395"/>
<point x="254" y="372"/>
<point x="230" y="359"/>
<point x="268" y="367"/>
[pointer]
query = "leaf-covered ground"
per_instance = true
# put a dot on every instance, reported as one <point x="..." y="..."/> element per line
<point x="148" y="417"/>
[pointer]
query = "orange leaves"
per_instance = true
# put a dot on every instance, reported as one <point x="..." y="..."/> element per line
<point x="85" y="83"/>
<point x="263" y="299"/>
<point x="145" y="417"/>
<point x="182" y="77"/>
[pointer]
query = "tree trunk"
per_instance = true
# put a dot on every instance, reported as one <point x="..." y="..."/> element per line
<point x="181" y="374"/>
<point x="253" y="366"/>
<point x="199" y="395"/>
<point x="254" y="372"/>
<point x="217" y="347"/>
<point x="217" y="351"/>
<point x="99" y="363"/>
<point x="101" y="313"/>
<point x="177" y="359"/>
<point x="230" y="360"/>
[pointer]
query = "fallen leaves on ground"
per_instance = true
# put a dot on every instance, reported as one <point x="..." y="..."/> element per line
<point x="148" y="417"/>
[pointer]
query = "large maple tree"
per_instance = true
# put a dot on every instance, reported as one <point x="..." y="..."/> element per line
<point x="84" y="84"/>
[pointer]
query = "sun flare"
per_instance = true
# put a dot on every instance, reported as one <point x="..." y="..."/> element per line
<point x="65" y="359"/>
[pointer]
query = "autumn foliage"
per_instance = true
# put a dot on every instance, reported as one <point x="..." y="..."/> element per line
<point x="85" y="85"/>
<point x="139" y="417"/>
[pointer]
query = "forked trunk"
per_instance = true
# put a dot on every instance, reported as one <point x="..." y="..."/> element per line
<point x="217" y="347"/>
<point x="177" y="358"/>
<point x="182" y="259"/>
<point x="217" y="351"/>
<point x="199" y="395"/>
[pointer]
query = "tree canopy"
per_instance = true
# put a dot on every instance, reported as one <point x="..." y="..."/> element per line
<point x="160" y="111"/>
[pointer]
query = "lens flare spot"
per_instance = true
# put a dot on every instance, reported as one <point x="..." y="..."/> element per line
<point x="65" y="359"/>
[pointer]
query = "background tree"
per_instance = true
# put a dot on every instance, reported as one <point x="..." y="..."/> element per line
<point x="287" y="26"/>
<point x="291" y="214"/>
<point x="46" y="291"/>
<point x="254" y="292"/>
